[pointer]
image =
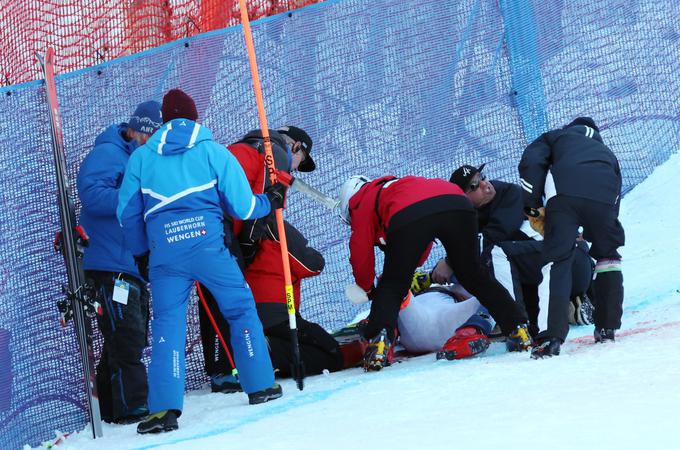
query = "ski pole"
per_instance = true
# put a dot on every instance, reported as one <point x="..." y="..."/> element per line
<point x="199" y="291"/>
<point x="312" y="193"/>
<point x="298" y="368"/>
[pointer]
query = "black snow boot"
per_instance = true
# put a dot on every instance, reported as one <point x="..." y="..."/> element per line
<point x="265" y="395"/>
<point x="159" y="422"/>
<point x="604" y="335"/>
<point x="546" y="348"/>
<point x="225" y="383"/>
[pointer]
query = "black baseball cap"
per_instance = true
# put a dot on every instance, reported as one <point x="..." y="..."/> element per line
<point x="299" y="135"/>
<point x="464" y="174"/>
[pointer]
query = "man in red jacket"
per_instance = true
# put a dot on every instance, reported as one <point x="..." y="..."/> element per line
<point x="256" y="244"/>
<point x="403" y="216"/>
<point x="318" y="349"/>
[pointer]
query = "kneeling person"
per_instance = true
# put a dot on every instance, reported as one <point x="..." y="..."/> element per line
<point x="403" y="216"/>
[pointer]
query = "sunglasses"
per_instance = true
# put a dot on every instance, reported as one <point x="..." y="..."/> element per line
<point x="472" y="187"/>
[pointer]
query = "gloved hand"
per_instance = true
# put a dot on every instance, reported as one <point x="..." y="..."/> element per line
<point x="537" y="219"/>
<point x="442" y="272"/>
<point x="276" y="193"/>
<point x="142" y="262"/>
<point x="356" y="294"/>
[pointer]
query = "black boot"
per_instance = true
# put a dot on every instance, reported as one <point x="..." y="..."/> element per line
<point x="546" y="348"/>
<point x="225" y="383"/>
<point x="133" y="416"/>
<point x="265" y="395"/>
<point x="603" y="335"/>
<point x="159" y="422"/>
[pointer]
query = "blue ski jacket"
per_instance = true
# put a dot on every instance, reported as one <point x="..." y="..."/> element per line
<point x="176" y="189"/>
<point x="98" y="183"/>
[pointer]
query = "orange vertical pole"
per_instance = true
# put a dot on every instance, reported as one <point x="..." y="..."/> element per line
<point x="297" y="370"/>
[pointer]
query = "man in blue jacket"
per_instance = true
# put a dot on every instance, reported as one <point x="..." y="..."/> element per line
<point x="121" y="375"/>
<point x="172" y="201"/>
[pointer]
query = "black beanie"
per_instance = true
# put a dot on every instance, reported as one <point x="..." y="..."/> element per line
<point x="587" y="121"/>
<point x="178" y="105"/>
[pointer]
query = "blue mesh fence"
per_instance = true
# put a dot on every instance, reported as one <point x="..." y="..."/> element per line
<point x="383" y="87"/>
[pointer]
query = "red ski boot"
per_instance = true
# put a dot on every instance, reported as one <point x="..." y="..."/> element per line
<point x="468" y="341"/>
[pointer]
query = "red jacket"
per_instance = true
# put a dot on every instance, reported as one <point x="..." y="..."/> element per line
<point x="374" y="208"/>
<point x="265" y="273"/>
<point x="250" y="154"/>
<point x="253" y="165"/>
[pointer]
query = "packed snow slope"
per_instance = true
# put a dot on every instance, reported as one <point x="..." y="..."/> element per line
<point x="623" y="395"/>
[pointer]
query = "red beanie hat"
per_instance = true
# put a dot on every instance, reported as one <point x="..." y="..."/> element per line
<point x="178" y="105"/>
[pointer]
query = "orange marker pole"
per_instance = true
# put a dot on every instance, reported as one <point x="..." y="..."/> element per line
<point x="297" y="369"/>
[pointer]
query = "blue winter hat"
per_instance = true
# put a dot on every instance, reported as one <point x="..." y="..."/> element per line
<point x="147" y="118"/>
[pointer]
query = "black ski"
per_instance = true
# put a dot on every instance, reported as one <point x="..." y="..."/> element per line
<point x="81" y="303"/>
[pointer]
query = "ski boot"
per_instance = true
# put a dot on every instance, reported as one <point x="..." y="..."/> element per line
<point x="159" y="422"/>
<point x="225" y="383"/>
<point x="466" y="342"/>
<point x="420" y="282"/>
<point x="546" y="348"/>
<point x="379" y="352"/>
<point x="580" y="310"/>
<point x="603" y="335"/>
<point x="519" y="340"/>
<point x="265" y="395"/>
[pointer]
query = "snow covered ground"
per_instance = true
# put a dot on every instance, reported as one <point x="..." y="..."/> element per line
<point x="624" y="395"/>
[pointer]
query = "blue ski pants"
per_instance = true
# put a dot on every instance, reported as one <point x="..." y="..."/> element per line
<point x="171" y="285"/>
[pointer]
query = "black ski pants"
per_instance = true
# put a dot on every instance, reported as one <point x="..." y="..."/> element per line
<point x="318" y="349"/>
<point x="525" y="259"/>
<point x="601" y="227"/>
<point x="456" y="229"/>
<point x="121" y="375"/>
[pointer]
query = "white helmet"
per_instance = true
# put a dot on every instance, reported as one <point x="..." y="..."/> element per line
<point x="347" y="190"/>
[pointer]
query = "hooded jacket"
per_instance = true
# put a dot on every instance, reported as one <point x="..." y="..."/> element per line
<point x="176" y="189"/>
<point x="250" y="154"/>
<point x="388" y="203"/>
<point x="98" y="183"/>
<point x="581" y="165"/>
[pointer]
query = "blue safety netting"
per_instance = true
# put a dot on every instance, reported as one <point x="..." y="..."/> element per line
<point x="383" y="87"/>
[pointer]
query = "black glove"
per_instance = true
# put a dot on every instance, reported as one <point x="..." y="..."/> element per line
<point x="276" y="193"/>
<point x="531" y="212"/>
<point x="142" y="262"/>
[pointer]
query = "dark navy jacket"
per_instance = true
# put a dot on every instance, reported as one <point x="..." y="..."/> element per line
<point x="500" y="220"/>
<point x="580" y="163"/>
